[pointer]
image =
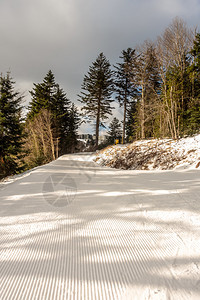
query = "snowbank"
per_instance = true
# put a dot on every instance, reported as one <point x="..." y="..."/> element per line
<point x="157" y="154"/>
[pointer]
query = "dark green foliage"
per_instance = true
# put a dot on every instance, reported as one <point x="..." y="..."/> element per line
<point x="74" y="123"/>
<point x="48" y="95"/>
<point x="195" y="52"/>
<point x="114" y="132"/>
<point x="60" y="110"/>
<point x="124" y="77"/>
<point x="193" y="117"/>
<point x="97" y="89"/>
<point x="125" y="88"/>
<point x="43" y="95"/>
<point x="192" y="113"/>
<point x="11" y="128"/>
<point x="195" y="68"/>
<point x="131" y="123"/>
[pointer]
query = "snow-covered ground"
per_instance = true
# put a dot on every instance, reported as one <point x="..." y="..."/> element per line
<point x="75" y="230"/>
<point x="153" y="154"/>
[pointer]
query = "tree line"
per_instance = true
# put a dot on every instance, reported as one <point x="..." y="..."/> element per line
<point x="157" y="85"/>
<point x="48" y="130"/>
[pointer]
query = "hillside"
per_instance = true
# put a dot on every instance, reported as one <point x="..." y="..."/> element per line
<point x="162" y="154"/>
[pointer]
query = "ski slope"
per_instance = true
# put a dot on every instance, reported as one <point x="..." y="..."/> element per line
<point x="74" y="230"/>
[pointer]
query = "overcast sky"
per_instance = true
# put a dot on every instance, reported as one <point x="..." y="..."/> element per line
<point x="66" y="36"/>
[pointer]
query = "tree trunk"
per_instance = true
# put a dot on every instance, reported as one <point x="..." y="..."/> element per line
<point x="35" y="139"/>
<point x="97" y="122"/>
<point x="169" y="117"/>
<point x="124" y="120"/>
<point x="192" y="85"/>
<point x="50" y="136"/>
<point x="39" y="123"/>
<point x="173" y="114"/>
<point x="142" y="114"/>
<point x="57" y="140"/>
<point x="52" y="145"/>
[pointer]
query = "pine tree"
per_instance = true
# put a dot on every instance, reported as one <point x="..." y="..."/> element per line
<point x="131" y="124"/>
<point x="60" y="109"/>
<point x="115" y="131"/>
<point x="11" y="127"/>
<point x="74" y="122"/>
<point x="193" y="111"/>
<point x="43" y="95"/>
<point x="195" y="67"/>
<point x="48" y="95"/>
<point x="124" y="87"/>
<point x="97" y="89"/>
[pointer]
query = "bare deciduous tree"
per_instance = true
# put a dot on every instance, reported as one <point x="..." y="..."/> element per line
<point x="173" y="47"/>
<point x="40" y="141"/>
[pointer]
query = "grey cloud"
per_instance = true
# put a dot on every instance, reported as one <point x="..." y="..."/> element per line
<point x="67" y="35"/>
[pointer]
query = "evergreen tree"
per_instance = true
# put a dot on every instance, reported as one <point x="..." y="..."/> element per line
<point x="193" y="111"/>
<point x="195" y="67"/>
<point x="195" y="51"/>
<point x="60" y="109"/>
<point x="115" y="131"/>
<point x="43" y="95"/>
<point x="48" y="95"/>
<point x="11" y="128"/>
<point x="97" y="89"/>
<point x="131" y="124"/>
<point x="74" y="122"/>
<point x="124" y="87"/>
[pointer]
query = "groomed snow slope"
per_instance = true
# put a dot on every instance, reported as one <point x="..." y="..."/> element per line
<point x="74" y="230"/>
<point x="153" y="154"/>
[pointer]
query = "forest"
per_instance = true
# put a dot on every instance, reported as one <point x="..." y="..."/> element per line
<point x="157" y="85"/>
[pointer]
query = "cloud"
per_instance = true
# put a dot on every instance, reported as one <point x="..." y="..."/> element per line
<point x="182" y="8"/>
<point x="67" y="36"/>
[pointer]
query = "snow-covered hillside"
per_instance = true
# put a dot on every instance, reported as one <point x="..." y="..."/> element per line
<point x="153" y="154"/>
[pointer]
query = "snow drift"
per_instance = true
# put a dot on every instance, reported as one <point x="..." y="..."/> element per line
<point x="159" y="154"/>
